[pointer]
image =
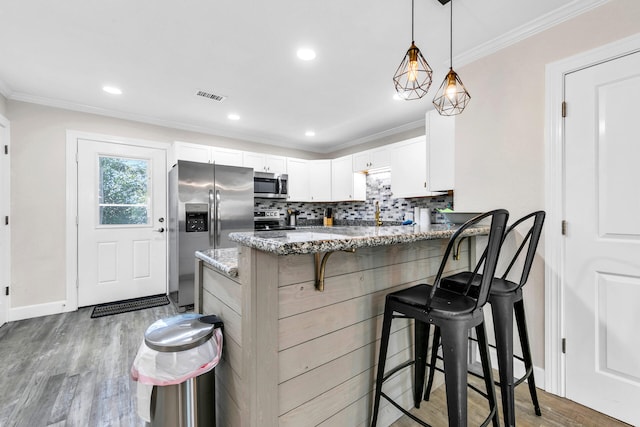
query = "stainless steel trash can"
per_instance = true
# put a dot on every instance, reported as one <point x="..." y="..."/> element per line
<point x="190" y="403"/>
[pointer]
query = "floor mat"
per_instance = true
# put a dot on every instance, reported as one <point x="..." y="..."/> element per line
<point x="118" y="307"/>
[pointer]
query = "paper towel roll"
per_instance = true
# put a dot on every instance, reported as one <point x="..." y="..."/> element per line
<point x="416" y="215"/>
<point x="425" y="217"/>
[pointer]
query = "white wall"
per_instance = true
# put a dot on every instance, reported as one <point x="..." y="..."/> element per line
<point x="500" y="136"/>
<point x="3" y="105"/>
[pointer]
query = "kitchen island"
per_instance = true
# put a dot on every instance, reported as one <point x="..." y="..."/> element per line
<point x="302" y="312"/>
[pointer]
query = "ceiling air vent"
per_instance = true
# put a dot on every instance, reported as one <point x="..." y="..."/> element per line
<point x="217" y="98"/>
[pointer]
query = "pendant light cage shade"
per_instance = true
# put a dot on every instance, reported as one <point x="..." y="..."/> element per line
<point x="413" y="77"/>
<point x="452" y="97"/>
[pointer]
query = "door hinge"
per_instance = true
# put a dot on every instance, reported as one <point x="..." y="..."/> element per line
<point x="564" y="109"/>
<point x="564" y="345"/>
<point x="564" y="227"/>
<point x="6" y="291"/>
<point x="6" y="149"/>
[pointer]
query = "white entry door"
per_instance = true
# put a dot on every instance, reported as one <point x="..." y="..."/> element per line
<point x="602" y="264"/>
<point x="121" y="222"/>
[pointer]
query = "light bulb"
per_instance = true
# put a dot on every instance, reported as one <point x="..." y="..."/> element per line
<point x="412" y="73"/>
<point x="452" y="87"/>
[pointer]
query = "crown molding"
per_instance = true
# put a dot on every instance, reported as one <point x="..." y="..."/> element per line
<point x="5" y="90"/>
<point x="558" y="16"/>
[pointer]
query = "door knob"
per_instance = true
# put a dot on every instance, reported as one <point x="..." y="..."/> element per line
<point x="159" y="230"/>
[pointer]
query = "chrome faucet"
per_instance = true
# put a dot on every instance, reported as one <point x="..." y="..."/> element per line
<point x="377" y="215"/>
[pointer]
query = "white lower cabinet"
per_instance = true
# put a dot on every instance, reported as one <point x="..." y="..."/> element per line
<point x="346" y="185"/>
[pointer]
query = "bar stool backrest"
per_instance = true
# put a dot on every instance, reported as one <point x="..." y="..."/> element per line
<point x="489" y="258"/>
<point x="531" y="239"/>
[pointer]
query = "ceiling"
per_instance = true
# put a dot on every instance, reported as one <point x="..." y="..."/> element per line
<point x="161" y="53"/>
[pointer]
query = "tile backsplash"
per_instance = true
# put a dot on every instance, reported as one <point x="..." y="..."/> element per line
<point x="392" y="211"/>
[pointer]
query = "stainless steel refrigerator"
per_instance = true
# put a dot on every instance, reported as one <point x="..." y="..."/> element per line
<point x="206" y="203"/>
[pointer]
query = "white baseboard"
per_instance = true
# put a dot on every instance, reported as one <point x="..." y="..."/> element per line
<point x="38" y="310"/>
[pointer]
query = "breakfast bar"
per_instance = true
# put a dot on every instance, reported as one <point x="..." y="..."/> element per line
<point x="302" y="312"/>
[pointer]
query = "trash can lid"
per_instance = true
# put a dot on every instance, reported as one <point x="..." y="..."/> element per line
<point x="178" y="333"/>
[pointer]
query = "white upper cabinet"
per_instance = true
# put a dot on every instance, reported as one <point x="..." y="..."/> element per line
<point x="424" y="166"/>
<point x="440" y="132"/>
<point x="265" y="162"/>
<point x="376" y="158"/>
<point x="191" y="152"/>
<point x="204" y="154"/>
<point x="319" y="180"/>
<point x="346" y="184"/>
<point x="226" y="156"/>
<point x="298" y="171"/>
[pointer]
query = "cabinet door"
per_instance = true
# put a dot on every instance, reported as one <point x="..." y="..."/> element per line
<point x="361" y="161"/>
<point x="440" y="133"/>
<point x="275" y="164"/>
<point x="298" y="171"/>
<point x="408" y="168"/>
<point x="254" y="160"/>
<point x="346" y="184"/>
<point x="380" y="158"/>
<point x="320" y="180"/>
<point x="191" y="152"/>
<point x="224" y="156"/>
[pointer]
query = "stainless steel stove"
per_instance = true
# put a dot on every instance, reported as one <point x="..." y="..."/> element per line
<point x="269" y="219"/>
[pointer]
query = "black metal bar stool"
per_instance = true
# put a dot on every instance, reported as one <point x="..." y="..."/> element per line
<point x="454" y="314"/>
<point x="505" y="297"/>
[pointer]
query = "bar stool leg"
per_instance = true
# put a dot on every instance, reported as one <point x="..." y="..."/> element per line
<point x="421" y="342"/>
<point x="382" y="358"/>
<point x="526" y="353"/>
<point x="502" y="309"/>
<point x="432" y="364"/>
<point x="454" y="352"/>
<point x="483" y="348"/>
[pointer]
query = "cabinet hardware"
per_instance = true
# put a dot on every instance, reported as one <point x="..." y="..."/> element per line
<point x="6" y="291"/>
<point x="6" y="149"/>
<point x="564" y="227"/>
<point x="6" y="220"/>
<point x="564" y="345"/>
<point x="564" y="109"/>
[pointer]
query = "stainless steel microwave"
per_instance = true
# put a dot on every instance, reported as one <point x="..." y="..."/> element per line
<point x="268" y="185"/>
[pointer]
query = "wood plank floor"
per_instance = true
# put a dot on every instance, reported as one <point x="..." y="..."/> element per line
<point x="556" y="411"/>
<point x="71" y="370"/>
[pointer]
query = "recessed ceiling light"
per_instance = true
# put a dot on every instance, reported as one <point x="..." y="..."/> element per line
<point x="233" y="117"/>
<point x="306" y="54"/>
<point x="112" y="90"/>
<point x="310" y="133"/>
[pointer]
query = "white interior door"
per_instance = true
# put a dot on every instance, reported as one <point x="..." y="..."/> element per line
<point x="121" y="222"/>
<point x="602" y="264"/>
<point x="5" y="260"/>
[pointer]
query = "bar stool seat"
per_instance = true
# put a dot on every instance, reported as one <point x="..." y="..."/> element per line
<point x="454" y="314"/>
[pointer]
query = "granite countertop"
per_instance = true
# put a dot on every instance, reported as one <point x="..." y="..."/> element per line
<point x="326" y="239"/>
<point x="223" y="260"/>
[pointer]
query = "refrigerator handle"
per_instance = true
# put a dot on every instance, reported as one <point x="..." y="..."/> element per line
<point x="218" y="222"/>
<point x="212" y="217"/>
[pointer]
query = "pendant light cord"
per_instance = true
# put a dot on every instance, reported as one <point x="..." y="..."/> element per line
<point x="412" y="39"/>
<point x="451" y="36"/>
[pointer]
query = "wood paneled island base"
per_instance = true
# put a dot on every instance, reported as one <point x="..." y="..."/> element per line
<point x="294" y="356"/>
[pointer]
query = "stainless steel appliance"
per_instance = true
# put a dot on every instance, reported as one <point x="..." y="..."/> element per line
<point x="206" y="203"/>
<point x="270" y="219"/>
<point x="268" y="185"/>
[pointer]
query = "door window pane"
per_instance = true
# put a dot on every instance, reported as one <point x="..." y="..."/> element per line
<point x="124" y="191"/>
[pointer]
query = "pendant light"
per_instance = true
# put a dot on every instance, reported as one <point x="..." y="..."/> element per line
<point x="452" y="97"/>
<point x="412" y="79"/>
